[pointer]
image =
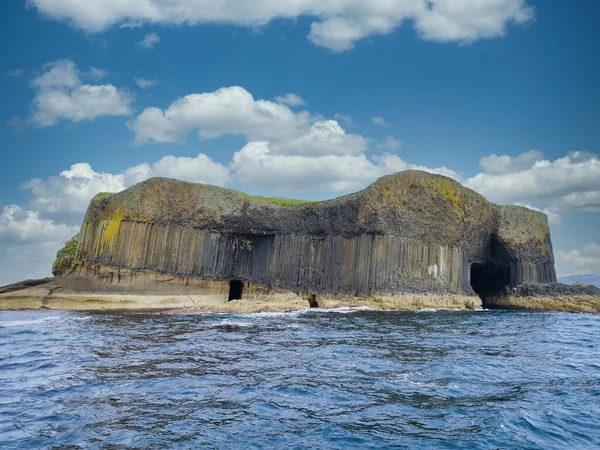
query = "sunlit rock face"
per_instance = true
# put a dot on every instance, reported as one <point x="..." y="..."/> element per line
<point x="411" y="232"/>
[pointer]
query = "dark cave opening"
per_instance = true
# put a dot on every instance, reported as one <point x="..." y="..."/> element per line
<point x="236" y="289"/>
<point x="489" y="280"/>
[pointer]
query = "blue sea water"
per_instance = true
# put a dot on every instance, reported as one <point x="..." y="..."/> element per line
<point x="317" y="379"/>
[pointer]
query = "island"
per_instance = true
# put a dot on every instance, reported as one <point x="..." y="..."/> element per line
<point x="411" y="240"/>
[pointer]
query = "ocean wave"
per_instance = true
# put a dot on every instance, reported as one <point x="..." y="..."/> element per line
<point x="20" y="323"/>
<point x="340" y="310"/>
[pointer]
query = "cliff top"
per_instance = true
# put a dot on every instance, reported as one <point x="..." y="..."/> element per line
<point x="414" y="204"/>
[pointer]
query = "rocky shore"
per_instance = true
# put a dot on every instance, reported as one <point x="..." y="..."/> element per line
<point x="145" y="291"/>
<point x="151" y="292"/>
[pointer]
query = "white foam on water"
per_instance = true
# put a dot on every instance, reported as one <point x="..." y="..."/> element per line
<point x="272" y="314"/>
<point x="21" y="323"/>
<point x="232" y="323"/>
<point x="438" y="309"/>
<point x="340" y="310"/>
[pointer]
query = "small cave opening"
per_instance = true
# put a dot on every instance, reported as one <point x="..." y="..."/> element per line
<point x="489" y="280"/>
<point x="236" y="289"/>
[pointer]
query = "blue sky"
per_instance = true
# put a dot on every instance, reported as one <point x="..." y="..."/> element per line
<point x="501" y="95"/>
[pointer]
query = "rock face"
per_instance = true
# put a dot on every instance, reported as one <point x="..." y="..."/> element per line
<point x="408" y="233"/>
<point x="66" y="257"/>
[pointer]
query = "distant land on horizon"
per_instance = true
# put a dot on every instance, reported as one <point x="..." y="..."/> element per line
<point x="588" y="278"/>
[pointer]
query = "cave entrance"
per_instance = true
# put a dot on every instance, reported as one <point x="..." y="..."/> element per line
<point x="236" y="288"/>
<point x="489" y="280"/>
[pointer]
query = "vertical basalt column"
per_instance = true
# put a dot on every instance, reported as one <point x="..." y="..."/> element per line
<point x="359" y="265"/>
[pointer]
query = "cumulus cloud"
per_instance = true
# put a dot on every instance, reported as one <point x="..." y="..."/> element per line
<point x="28" y="261"/>
<point x="200" y="169"/>
<point x="285" y="150"/>
<point x="145" y="83"/>
<point x="97" y="74"/>
<point x="61" y="95"/>
<point x="337" y="24"/>
<point x="568" y="184"/>
<point x="21" y="226"/>
<point x="67" y="196"/>
<point x="498" y="165"/>
<point x="390" y="143"/>
<point x="322" y="138"/>
<point x="31" y="236"/>
<point x="30" y="243"/>
<point x="380" y="121"/>
<point x="258" y="165"/>
<point x="230" y="110"/>
<point x="149" y="41"/>
<point x="576" y="262"/>
<point x="290" y="100"/>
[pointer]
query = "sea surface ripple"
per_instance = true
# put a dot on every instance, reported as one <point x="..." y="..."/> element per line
<point x="317" y="379"/>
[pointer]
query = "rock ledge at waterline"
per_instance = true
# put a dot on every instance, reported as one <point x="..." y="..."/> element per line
<point x="411" y="240"/>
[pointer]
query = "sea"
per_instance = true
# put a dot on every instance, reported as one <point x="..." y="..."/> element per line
<point x="319" y="379"/>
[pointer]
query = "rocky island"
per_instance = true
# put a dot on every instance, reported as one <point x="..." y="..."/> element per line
<point x="411" y="240"/>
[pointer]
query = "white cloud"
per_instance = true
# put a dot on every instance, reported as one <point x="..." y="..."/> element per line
<point x="380" y="121"/>
<point x="390" y="144"/>
<point x="466" y="21"/>
<point x="58" y="74"/>
<point x="230" y="110"/>
<point x="31" y="237"/>
<point x="337" y="24"/>
<point x="345" y="119"/>
<point x="145" y="83"/>
<point x="258" y="165"/>
<point x="66" y="197"/>
<point x="290" y="100"/>
<point x="393" y="163"/>
<point x="149" y="41"/>
<point x="15" y="73"/>
<point x="568" y="184"/>
<point x="578" y="202"/>
<point x="200" y="169"/>
<point x="577" y="262"/>
<point x="498" y="165"/>
<point x="30" y="243"/>
<point x="97" y="74"/>
<point x="20" y="226"/>
<point x="325" y="137"/>
<point x="28" y="261"/>
<point x="61" y="95"/>
<point x="285" y="150"/>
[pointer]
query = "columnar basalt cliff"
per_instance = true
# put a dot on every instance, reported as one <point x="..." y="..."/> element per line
<point x="412" y="232"/>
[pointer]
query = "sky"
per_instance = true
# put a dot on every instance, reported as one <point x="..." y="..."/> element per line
<point x="306" y="99"/>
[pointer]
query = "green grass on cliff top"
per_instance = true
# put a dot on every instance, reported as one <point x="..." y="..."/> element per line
<point x="102" y="195"/>
<point x="279" y="201"/>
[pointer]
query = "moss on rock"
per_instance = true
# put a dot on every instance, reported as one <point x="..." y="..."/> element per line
<point x="66" y="257"/>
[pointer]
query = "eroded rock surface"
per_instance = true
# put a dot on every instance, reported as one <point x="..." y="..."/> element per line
<point x="412" y="233"/>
